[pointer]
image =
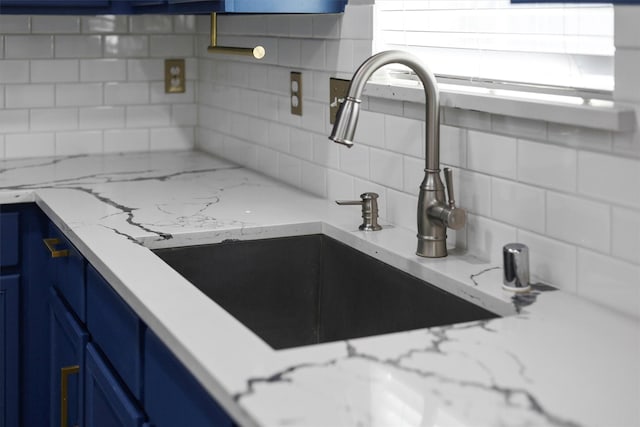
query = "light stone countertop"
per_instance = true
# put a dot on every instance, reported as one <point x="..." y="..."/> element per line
<point x="553" y="359"/>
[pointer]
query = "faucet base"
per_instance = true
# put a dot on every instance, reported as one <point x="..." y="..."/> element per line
<point x="430" y="248"/>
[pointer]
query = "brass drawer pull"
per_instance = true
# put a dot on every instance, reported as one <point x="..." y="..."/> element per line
<point x="51" y="245"/>
<point x="64" y="392"/>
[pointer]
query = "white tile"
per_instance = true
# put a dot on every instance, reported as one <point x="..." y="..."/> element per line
<point x="619" y="184"/>
<point x="160" y="24"/>
<point x="103" y="70"/>
<point x="55" y="71"/>
<point x="387" y="168"/>
<point x="547" y="165"/>
<point x="51" y="119"/>
<point x="278" y="25"/>
<point x="240" y="152"/>
<point x="14" y="120"/>
<point x="125" y="46"/>
<point x="453" y="146"/>
<point x="626" y="72"/>
<point x="609" y="282"/>
<point x="518" y="127"/>
<point x="83" y="142"/>
<point x="326" y="26"/>
<point x="466" y="118"/>
<point x="14" y="71"/>
<point x="325" y="152"/>
<point x="259" y="131"/>
<point x="184" y="115"/>
<point x="289" y="169"/>
<point x="474" y="192"/>
<point x="625" y="234"/>
<point x="355" y="160"/>
<point x="249" y="102"/>
<point x="267" y="162"/>
<point x="46" y="24"/>
<point x="413" y="169"/>
<point x="485" y="238"/>
<point x="370" y="130"/>
<point x="102" y="118"/>
<point x="284" y="113"/>
<point x="171" y="46"/>
<point x="239" y="125"/>
<point x="289" y="52"/>
<point x="626" y="25"/>
<point x="29" y="145"/>
<point x="126" y="140"/>
<point x="278" y="137"/>
<point x="385" y="106"/>
<point x="519" y="205"/>
<point x="148" y="116"/>
<point x="124" y="93"/>
<point x="313" y="54"/>
<point x="313" y="117"/>
<point x="15" y="24"/>
<point x="184" y="24"/>
<point x="210" y="142"/>
<point x="492" y="154"/>
<point x="2" y="147"/>
<point x="314" y="179"/>
<point x="404" y="135"/>
<point x="550" y="261"/>
<point x="79" y="94"/>
<point x="301" y="144"/>
<point x="581" y="138"/>
<point x="401" y="209"/>
<point x="29" y="96"/>
<point x="145" y="69"/>
<point x="1" y="97"/>
<point x="301" y="26"/>
<point x="339" y="185"/>
<point x="28" y="47"/>
<point x="172" y="139"/>
<point x="357" y="22"/>
<point x="78" y="46"/>
<point x="340" y="55"/>
<point x="580" y="221"/>
<point x="159" y="96"/>
<point x="104" y="24"/>
<point x="267" y="106"/>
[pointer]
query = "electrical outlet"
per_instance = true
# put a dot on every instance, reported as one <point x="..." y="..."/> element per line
<point x="296" y="93"/>
<point x="337" y="92"/>
<point x="174" y="76"/>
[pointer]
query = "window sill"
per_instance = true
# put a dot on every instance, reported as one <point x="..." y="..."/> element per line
<point x="602" y="115"/>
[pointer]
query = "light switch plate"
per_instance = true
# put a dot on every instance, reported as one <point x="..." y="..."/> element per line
<point x="337" y="92"/>
<point x="296" y="93"/>
<point x="174" y="76"/>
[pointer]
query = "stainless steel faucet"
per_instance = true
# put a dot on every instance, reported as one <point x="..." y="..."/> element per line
<point x="434" y="214"/>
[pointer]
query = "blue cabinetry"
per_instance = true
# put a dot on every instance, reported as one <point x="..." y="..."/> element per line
<point x="9" y="354"/>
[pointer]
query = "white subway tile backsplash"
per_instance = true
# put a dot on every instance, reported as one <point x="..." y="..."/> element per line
<point x="29" y="145"/>
<point x="124" y="93"/>
<point x="386" y="168"/>
<point x="326" y="26"/>
<point x="519" y="205"/>
<point x="579" y="221"/>
<point x="314" y="179"/>
<point x="371" y="129"/>
<point x="466" y="118"/>
<point x="609" y="282"/>
<point x="313" y="55"/>
<point x="159" y="96"/>
<point x="104" y="24"/>
<point x="82" y="142"/>
<point x="301" y="26"/>
<point x="289" y="52"/>
<point x="290" y="169"/>
<point x="184" y="115"/>
<point x="102" y="118"/>
<point x="340" y="55"/>
<point x="518" y="127"/>
<point x="15" y="24"/>
<point x="626" y="72"/>
<point x="492" y="154"/>
<point x="278" y="137"/>
<point x="453" y="146"/>
<point x="103" y="70"/>
<point x="413" y="170"/>
<point x="14" y="71"/>
<point x="184" y="24"/>
<point x="85" y="46"/>
<point x="625" y="234"/>
<point x="171" y="46"/>
<point x="267" y="161"/>
<point x="14" y="120"/>
<point x="121" y="46"/>
<point x="160" y="24"/>
<point x="126" y="140"/>
<point x="278" y="25"/>
<point x="46" y="24"/>
<point x="357" y="22"/>
<point x="258" y="131"/>
<point x="473" y="192"/>
<point x="314" y="118"/>
<point x="354" y="160"/>
<point x="148" y="116"/>
<point x="339" y="185"/>
<point x="53" y="119"/>
<point x="29" y="96"/>
<point x="172" y="139"/>
<point x="404" y="135"/>
<point x="301" y="144"/>
<point x="28" y="47"/>
<point x="551" y="261"/>
<point x="547" y="165"/>
<point x="582" y="138"/>
<point x="325" y="153"/>
<point x="620" y="183"/>
<point x="485" y="238"/>
<point x="54" y="71"/>
<point x="79" y="94"/>
<point x="145" y="69"/>
<point x="241" y="152"/>
<point x="401" y="210"/>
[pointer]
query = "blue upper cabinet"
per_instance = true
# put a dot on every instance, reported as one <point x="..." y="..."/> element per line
<point x="123" y="7"/>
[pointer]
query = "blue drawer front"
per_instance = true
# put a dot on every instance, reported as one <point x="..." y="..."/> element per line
<point x="116" y="329"/>
<point x="9" y="349"/>
<point x="68" y="275"/>
<point x="107" y="402"/>
<point x="9" y="231"/>
<point x="173" y="396"/>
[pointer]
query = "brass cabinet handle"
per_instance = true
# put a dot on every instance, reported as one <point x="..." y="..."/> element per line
<point x="65" y="372"/>
<point x="51" y="245"/>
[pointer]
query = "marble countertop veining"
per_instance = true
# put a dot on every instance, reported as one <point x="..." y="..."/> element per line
<point x="553" y="359"/>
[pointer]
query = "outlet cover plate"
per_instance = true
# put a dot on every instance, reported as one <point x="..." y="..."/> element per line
<point x="337" y="92"/>
<point x="296" y="92"/>
<point x="174" y="76"/>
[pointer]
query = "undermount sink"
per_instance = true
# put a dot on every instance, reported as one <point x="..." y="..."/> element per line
<point x="304" y="290"/>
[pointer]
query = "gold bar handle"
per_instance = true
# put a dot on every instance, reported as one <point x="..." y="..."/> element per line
<point x="65" y="372"/>
<point x="51" y="245"/>
<point x="257" y="52"/>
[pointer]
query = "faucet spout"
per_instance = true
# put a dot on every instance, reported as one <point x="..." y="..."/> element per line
<point x="434" y="214"/>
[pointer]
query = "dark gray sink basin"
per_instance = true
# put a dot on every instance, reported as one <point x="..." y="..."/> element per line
<point x="304" y="290"/>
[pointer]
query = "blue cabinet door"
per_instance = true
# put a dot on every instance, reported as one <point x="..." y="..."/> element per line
<point x="107" y="403"/>
<point x="173" y="397"/>
<point x="68" y="340"/>
<point x="9" y="350"/>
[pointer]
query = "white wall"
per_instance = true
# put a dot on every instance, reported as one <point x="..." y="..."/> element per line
<point x="570" y="193"/>
<point x="80" y="85"/>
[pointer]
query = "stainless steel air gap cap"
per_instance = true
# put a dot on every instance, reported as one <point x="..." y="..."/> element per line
<point x="515" y="258"/>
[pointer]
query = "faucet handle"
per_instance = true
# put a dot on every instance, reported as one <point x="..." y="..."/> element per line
<point x="369" y="202"/>
<point x="454" y="217"/>
<point x="448" y="178"/>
